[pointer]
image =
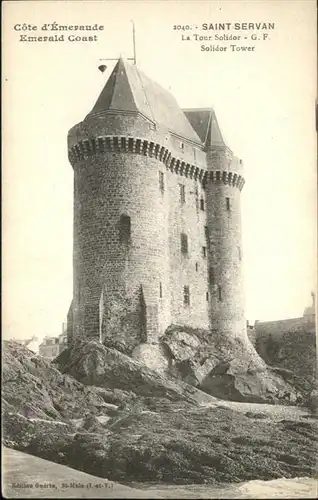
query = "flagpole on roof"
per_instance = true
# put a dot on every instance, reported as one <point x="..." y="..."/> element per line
<point x="103" y="67"/>
<point x="134" y="41"/>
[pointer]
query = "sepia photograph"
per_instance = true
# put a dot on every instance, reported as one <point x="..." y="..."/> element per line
<point x="159" y="249"/>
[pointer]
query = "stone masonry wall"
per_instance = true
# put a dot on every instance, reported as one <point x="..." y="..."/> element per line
<point x="289" y="343"/>
<point x="187" y="269"/>
<point x="126" y="185"/>
<point x="133" y="287"/>
<point x="224" y="250"/>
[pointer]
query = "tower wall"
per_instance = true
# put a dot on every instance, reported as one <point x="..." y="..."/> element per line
<point x="130" y="271"/>
<point x="187" y="269"/>
<point x="224" y="242"/>
<point x="121" y="272"/>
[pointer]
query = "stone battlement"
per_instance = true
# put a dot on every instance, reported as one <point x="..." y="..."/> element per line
<point x="121" y="144"/>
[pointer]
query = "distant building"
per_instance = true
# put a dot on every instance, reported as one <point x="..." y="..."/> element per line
<point x="279" y="328"/>
<point x="32" y="343"/>
<point x="51" y="347"/>
<point x="289" y="343"/>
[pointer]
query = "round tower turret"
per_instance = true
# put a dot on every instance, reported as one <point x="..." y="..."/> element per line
<point x="157" y="219"/>
<point x="119" y="154"/>
<point x="223" y="184"/>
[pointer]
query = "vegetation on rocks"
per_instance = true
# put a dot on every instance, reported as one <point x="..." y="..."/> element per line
<point x="290" y="344"/>
<point x="136" y="425"/>
<point x="35" y="388"/>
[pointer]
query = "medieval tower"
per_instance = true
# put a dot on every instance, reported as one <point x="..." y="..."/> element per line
<point x="157" y="229"/>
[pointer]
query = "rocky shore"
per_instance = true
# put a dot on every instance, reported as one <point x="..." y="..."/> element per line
<point x="101" y="412"/>
<point x="27" y="476"/>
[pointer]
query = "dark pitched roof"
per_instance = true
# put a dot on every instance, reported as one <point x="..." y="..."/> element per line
<point x="199" y="120"/>
<point x="205" y="123"/>
<point x="128" y="89"/>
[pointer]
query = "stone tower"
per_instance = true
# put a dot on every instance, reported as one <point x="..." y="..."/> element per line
<point x="157" y="238"/>
<point x="223" y="184"/>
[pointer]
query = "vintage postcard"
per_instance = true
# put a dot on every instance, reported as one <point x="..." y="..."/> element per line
<point x="159" y="249"/>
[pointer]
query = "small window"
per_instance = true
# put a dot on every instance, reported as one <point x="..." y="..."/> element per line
<point x="202" y="207"/>
<point x="220" y="293"/>
<point x="161" y="181"/>
<point x="207" y="296"/>
<point x="124" y="229"/>
<point x="204" y="251"/>
<point x="211" y="276"/>
<point x="228" y="204"/>
<point x="184" y="243"/>
<point x="206" y="232"/>
<point x="186" y="295"/>
<point x="182" y="193"/>
<point x="160" y="290"/>
<point x="239" y="252"/>
<point x="196" y="267"/>
<point x="181" y="145"/>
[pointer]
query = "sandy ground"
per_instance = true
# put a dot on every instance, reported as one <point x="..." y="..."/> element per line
<point x="26" y="476"/>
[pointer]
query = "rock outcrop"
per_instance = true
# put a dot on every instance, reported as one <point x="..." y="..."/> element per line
<point x="175" y="444"/>
<point x="35" y="388"/>
<point x="141" y="426"/>
<point x="95" y="364"/>
<point x="289" y="344"/>
<point x="230" y="369"/>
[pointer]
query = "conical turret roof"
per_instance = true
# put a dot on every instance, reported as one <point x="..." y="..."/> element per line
<point x="205" y="123"/>
<point x="130" y="90"/>
<point x="117" y="93"/>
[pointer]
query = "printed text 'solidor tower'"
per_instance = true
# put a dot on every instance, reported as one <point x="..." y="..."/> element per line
<point x="157" y="230"/>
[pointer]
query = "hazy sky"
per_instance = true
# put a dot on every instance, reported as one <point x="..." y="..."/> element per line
<point x="265" y="103"/>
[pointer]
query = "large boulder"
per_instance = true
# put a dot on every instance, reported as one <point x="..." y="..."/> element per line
<point x="154" y="356"/>
<point x="35" y="388"/>
<point x="228" y="369"/>
<point x="44" y="438"/>
<point x="250" y="387"/>
<point x="92" y="363"/>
